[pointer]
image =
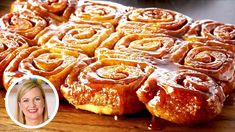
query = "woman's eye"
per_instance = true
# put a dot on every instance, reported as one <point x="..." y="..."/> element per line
<point x="38" y="99"/>
<point x="25" y="100"/>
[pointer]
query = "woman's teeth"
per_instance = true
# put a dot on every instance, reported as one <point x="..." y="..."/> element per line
<point x="32" y="110"/>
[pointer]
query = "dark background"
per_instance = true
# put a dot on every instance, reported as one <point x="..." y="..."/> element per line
<point x="5" y="6"/>
<point x="219" y="10"/>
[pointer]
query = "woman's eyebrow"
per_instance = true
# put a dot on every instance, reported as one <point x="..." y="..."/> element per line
<point x="24" y="99"/>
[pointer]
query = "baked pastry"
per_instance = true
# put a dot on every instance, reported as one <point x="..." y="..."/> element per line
<point x="127" y="55"/>
<point x="100" y="11"/>
<point x="25" y="23"/>
<point x="107" y="87"/>
<point x="79" y="36"/>
<point x="59" y="10"/>
<point x="182" y="96"/>
<point x="10" y="45"/>
<point x="207" y="30"/>
<point x="154" y="20"/>
<point x="180" y="70"/>
<point x="155" y="45"/>
<point x="11" y="71"/>
<point x="53" y="64"/>
<point x="214" y="61"/>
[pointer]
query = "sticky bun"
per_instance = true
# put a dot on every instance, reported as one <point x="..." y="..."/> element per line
<point x="182" y="96"/>
<point x="106" y="87"/>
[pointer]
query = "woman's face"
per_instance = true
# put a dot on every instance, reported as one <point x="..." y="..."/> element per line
<point x="32" y="104"/>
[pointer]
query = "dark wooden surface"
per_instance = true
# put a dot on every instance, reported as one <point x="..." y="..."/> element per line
<point x="70" y="119"/>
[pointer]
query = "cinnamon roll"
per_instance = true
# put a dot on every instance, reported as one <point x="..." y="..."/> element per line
<point x="156" y="45"/>
<point x="10" y="45"/>
<point x="100" y="11"/>
<point x="25" y="23"/>
<point x="11" y="40"/>
<point x="215" y="61"/>
<point x="12" y="71"/>
<point x="59" y="10"/>
<point x="52" y="64"/>
<point x="107" y="87"/>
<point x="79" y="36"/>
<point x="205" y="30"/>
<point x="154" y="20"/>
<point x="128" y="55"/>
<point x="182" y="96"/>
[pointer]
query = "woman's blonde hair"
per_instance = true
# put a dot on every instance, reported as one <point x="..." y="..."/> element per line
<point x="26" y="86"/>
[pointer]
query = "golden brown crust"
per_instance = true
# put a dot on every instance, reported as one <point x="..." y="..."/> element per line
<point x="207" y="30"/>
<point x="52" y="64"/>
<point x="214" y="61"/>
<point x="107" y="87"/>
<point x="11" y="71"/>
<point x="100" y="11"/>
<point x="52" y="11"/>
<point x="11" y="40"/>
<point x="78" y="36"/>
<point x="25" y="23"/>
<point x="10" y="45"/>
<point x="128" y="55"/>
<point x="156" y="45"/>
<point x="182" y="96"/>
<point x="154" y="20"/>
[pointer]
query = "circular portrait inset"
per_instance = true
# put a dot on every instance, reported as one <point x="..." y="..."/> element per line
<point x="32" y="101"/>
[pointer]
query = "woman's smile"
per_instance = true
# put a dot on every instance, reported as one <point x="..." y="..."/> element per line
<point x="32" y="111"/>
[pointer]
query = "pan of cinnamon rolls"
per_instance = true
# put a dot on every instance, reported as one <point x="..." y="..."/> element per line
<point x="113" y="59"/>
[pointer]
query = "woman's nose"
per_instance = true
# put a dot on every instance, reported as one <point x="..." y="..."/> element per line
<point x="32" y="103"/>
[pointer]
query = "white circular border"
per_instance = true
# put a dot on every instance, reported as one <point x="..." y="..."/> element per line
<point x="53" y="113"/>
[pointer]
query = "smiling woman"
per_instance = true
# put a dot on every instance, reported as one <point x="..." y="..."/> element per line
<point x="31" y="104"/>
<point x="28" y="99"/>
